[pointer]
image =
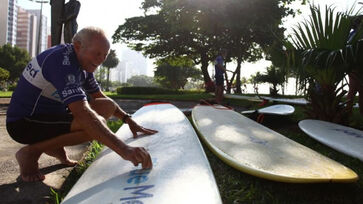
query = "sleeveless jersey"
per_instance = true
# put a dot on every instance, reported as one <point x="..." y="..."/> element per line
<point x="50" y="82"/>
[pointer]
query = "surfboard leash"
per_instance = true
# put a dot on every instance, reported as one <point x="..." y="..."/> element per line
<point x="260" y="118"/>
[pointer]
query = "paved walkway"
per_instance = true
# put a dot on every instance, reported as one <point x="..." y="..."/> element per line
<point x="13" y="190"/>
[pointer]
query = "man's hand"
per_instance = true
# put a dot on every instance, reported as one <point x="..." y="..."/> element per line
<point x="135" y="128"/>
<point x="138" y="155"/>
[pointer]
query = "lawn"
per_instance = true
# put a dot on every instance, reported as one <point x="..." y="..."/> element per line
<point x="237" y="187"/>
<point x="6" y="94"/>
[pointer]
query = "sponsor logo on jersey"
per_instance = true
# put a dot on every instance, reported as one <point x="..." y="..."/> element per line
<point x="66" y="56"/>
<point x="68" y="91"/>
<point x="66" y="61"/>
<point x="71" y="79"/>
<point x="30" y="70"/>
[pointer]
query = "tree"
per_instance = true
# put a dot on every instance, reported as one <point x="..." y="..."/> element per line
<point x="110" y="62"/>
<point x="14" y="60"/>
<point x="100" y="75"/>
<point x="273" y="76"/>
<point x="174" y="72"/>
<point x="141" y="80"/>
<point x="255" y="80"/>
<point x="325" y="59"/>
<point x="198" y="29"/>
<point x="253" y="35"/>
<point x="4" y="75"/>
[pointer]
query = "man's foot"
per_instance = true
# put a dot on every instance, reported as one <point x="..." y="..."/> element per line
<point x="28" y="164"/>
<point x="61" y="155"/>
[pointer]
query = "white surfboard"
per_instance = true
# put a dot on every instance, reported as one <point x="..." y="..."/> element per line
<point x="296" y="101"/>
<point x="341" y="138"/>
<point x="279" y="109"/>
<point x="257" y="150"/>
<point x="181" y="172"/>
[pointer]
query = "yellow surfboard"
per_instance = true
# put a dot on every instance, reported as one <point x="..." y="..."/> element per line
<point x="257" y="150"/>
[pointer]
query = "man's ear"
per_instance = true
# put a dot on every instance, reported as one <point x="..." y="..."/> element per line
<point x="77" y="46"/>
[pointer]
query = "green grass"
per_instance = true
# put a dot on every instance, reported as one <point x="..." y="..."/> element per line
<point x="6" y="94"/>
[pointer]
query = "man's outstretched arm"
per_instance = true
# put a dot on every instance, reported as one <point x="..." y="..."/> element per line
<point x="122" y="115"/>
<point x="96" y="129"/>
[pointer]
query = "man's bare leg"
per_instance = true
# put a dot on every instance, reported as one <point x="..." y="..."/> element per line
<point x="219" y="94"/>
<point x="60" y="154"/>
<point x="28" y="156"/>
<point x="28" y="164"/>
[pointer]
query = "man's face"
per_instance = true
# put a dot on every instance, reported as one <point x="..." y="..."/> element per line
<point x="93" y="53"/>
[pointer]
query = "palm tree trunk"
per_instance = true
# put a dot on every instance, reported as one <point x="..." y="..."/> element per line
<point x="108" y="79"/>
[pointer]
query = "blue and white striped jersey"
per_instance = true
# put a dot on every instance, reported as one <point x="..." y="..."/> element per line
<point x="50" y="82"/>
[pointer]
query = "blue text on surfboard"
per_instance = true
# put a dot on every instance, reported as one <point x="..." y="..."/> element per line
<point x="138" y="176"/>
<point x="351" y="133"/>
<point x="138" y="191"/>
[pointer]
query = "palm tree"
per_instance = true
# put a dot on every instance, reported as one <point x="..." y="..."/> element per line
<point x="110" y="62"/>
<point x="321" y="44"/>
<point x="274" y="76"/>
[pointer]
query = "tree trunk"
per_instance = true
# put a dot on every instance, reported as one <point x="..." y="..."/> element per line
<point x="108" y="80"/>
<point x="296" y="84"/>
<point x="209" y="86"/>
<point x="283" y="86"/>
<point x="238" y="79"/>
<point x="231" y="80"/>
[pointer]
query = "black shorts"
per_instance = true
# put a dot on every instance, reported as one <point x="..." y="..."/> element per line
<point x="30" y="130"/>
<point x="219" y="80"/>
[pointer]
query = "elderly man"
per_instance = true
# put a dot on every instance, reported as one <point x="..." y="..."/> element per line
<point x="49" y="108"/>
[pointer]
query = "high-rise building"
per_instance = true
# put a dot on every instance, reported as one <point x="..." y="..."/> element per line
<point x="8" y="21"/>
<point x="27" y="31"/>
<point x="119" y="72"/>
<point x="42" y="25"/>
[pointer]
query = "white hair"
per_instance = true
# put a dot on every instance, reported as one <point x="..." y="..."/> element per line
<point x="85" y="35"/>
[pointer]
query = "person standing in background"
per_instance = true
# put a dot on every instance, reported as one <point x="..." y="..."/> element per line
<point x="220" y="69"/>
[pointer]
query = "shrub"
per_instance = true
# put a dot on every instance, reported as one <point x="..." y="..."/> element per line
<point x="11" y="87"/>
<point x="134" y="90"/>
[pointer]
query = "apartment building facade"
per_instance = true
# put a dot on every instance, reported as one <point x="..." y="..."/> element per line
<point x="27" y="31"/>
<point x="8" y="21"/>
<point x="42" y="25"/>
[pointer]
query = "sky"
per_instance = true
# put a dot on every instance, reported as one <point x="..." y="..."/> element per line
<point x="109" y="14"/>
